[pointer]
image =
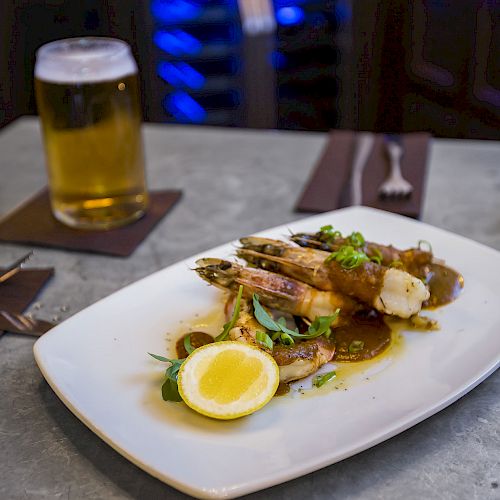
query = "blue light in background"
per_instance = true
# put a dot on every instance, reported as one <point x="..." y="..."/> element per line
<point x="184" y="108"/>
<point x="278" y="60"/>
<point x="289" y="16"/>
<point x="192" y="45"/>
<point x="343" y="11"/>
<point x="172" y="11"/>
<point x="288" y="3"/>
<point x="180" y="74"/>
<point x="177" y="42"/>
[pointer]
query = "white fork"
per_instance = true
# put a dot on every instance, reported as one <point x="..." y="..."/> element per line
<point x="395" y="186"/>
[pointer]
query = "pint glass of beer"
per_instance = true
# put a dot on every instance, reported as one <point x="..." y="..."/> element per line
<point x="88" y="101"/>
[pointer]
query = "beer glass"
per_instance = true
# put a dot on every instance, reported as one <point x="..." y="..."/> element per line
<point x="87" y="95"/>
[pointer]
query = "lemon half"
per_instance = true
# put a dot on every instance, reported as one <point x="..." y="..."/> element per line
<point x="228" y="380"/>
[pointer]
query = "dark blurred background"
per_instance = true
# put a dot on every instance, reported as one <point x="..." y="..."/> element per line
<point x="382" y="65"/>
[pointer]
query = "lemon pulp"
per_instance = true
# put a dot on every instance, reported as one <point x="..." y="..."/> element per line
<point x="231" y="375"/>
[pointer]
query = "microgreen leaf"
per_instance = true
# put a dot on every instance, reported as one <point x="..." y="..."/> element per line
<point x="230" y="324"/>
<point x="356" y="346"/>
<point x="282" y="321"/>
<point x="170" y="391"/>
<point x="321" y="325"/>
<point x="187" y="344"/>
<point x="264" y="340"/>
<point x="160" y="358"/>
<point x="263" y="317"/>
<point x="320" y="380"/>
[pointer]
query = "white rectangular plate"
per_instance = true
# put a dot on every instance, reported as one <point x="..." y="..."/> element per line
<point x="97" y="363"/>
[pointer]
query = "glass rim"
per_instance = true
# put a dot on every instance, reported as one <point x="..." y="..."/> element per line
<point x="84" y="60"/>
<point x="47" y="49"/>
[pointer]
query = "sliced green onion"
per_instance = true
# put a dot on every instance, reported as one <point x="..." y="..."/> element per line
<point x="320" y="380"/>
<point x="424" y="243"/>
<point x="329" y="233"/>
<point x="286" y="339"/>
<point x="356" y="239"/>
<point x="230" y="324"/>
<point x="275" y="335"/>
<point x="396" y="263"/>
<point x="377" y="257"/>
<point x="264" y="340"/>
<point x="356" y="346"/>
<point x="348" y="257"/>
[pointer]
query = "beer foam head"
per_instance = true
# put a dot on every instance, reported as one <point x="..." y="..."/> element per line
<point x="84" y="60"/>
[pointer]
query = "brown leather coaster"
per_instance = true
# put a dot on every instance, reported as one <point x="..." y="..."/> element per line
<point x="33" y="223"/>
<point x="329" y="185"/>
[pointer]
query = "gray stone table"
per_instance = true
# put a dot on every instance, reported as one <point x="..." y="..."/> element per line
<point x="235" y="182"/>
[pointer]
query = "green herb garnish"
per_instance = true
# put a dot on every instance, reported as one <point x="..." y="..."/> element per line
<point x="328" y="233"/>
<point x="320" y="326"/>
<point x="356" y="239"/>
<point x="348" y="257"/>
<point x="320" y="380"/>
<point x="169" y="389"/>
<point x="396" y="263"/>
<point x="286" y="339"/>
<point x="424" y="243"/>
<point x="264" y="340"/>
<point x="356" y="346"/>
<point x="187" y="344"/>
<point x="230" y="324"/>
<point x="377" y="257"/>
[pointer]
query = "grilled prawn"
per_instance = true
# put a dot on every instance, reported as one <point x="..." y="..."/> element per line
<point x="295" y="362"/>
<point x="274" y="290"/>
<point x="412" y="260"/>
<point x="389" y="290"/>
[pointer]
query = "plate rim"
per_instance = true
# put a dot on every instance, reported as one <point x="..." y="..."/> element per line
<point x="314" y="464"/>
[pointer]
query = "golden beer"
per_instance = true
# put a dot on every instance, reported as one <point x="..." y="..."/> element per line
<point x="88" y="100"/>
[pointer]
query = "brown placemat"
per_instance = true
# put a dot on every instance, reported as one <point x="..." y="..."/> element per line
<point x="33" y="223"/>
<point x="329" y="185"/>
<point x="17" y="293"/>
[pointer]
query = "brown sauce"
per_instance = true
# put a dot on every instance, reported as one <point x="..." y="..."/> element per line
<point x="197" y="340"/>
<point x="362" y="283"/>
<point x="283" y="388"/>
<point x="445" y="284"/>
<point x="362" y="338"/>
